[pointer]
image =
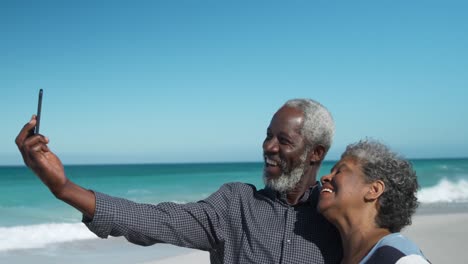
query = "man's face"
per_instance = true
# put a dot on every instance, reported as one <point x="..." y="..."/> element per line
<point x="284" y="150"/>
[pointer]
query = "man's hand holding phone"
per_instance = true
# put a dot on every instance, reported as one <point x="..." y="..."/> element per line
<point x="37" y="155"/>
<point x="48" y="167"/>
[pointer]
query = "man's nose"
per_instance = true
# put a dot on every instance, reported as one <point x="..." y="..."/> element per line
<point x="270" y="145"/>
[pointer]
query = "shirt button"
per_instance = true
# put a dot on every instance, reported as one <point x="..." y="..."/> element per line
<point x="288" y="241"/>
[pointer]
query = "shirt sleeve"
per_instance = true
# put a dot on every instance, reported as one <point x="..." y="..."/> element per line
<point x="195" y="225"/>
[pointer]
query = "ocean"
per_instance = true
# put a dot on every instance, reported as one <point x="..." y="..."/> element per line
<point x="36" y="226"/>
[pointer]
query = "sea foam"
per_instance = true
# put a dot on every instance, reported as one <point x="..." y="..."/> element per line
<point x="41" y="235"/>
<point x="445" y="191"/>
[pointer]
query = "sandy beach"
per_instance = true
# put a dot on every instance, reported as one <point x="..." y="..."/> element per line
<point x="439" y="229"/>
<point x="442" y="237"/>
<point x="195" y="257"/>
<point x="440" y="233"/>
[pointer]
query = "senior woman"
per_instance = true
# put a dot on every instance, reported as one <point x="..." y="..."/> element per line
<point x="370" y="195"/>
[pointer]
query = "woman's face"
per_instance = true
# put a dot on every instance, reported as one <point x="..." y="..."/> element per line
<point x="343" y="190"/>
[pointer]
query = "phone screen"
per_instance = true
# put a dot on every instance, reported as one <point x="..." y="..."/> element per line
<point x="38" y="117"/>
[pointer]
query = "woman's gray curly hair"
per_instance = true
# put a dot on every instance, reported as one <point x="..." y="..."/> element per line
<point x="398" y="202"/>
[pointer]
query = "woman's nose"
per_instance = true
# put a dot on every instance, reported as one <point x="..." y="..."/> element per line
<point x="326" y="178"/>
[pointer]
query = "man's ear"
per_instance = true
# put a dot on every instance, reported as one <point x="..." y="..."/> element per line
<point x="376" y="189"/>
<point x="317" y="154"/>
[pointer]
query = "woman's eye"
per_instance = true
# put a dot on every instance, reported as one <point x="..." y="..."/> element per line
<point x="335" y="171"/>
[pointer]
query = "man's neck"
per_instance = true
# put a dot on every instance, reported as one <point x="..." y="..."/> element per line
<point x="307" y="181"/>
<point x="297" y="194"/>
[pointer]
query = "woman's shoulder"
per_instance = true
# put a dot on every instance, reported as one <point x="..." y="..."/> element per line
<point x="395" y="249"/>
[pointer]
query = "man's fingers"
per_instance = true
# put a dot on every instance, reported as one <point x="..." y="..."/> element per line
<point x="45" y="148"/>
<point x="40" y="147"/>
<point x="36" y="154"/>
<point x="33" y="147"/>
<point x="25" y="131"/>
<point x="34" y="140"/>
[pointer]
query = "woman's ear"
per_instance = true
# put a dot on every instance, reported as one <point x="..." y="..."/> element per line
<point x="376" y="189"/>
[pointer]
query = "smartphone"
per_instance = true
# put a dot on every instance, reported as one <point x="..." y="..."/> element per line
<point x="38" y="116"/>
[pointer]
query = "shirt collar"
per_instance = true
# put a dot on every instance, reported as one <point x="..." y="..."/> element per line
<point x="309" y="196"/>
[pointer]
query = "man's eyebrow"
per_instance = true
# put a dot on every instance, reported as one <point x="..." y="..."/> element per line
<point x="283" y="134"/>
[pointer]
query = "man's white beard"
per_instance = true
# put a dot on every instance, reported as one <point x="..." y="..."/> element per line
<point x="287" y="181"/>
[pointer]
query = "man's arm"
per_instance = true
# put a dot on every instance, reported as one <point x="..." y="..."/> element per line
<point x="48" y="167"/>
<point x="194" y="225"/>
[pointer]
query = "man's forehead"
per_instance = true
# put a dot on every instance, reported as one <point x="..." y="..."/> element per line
<point x="289" y="114"/>
<point x="290" y="108"/>
<point x="287" y="120"/>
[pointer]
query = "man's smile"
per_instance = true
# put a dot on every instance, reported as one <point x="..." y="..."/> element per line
<point x="271" y="162"/>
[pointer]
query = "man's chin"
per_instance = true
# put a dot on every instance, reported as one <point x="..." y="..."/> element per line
<point x="283" y="182"/>
<point x="271" y="177"/>
<point x="276" y="182"/>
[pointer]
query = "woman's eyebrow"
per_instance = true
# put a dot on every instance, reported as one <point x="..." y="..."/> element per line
<point x="339" y="166"/>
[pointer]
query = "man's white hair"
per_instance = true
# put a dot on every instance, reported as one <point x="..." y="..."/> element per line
<point x="318" y="127"/>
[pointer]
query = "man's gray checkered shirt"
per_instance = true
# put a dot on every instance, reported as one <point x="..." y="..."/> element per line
<point x="236" y="224"/>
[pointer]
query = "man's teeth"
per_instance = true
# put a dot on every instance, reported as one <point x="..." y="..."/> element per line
<point x="271" y="162"/>
<point x="327" y="190"/>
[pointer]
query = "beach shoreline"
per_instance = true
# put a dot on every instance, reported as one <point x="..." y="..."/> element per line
<point x="437" y="228"/>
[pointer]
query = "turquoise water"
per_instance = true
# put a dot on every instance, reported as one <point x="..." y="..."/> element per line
<point x="27" y="207"/>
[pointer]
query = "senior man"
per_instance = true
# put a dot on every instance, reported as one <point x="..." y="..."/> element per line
<point x="237" y="223"/>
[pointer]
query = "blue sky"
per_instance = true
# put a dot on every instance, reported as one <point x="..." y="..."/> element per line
<point x="198" y="81"/>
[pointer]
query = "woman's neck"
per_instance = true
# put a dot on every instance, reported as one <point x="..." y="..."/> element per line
<point x="358" y="238"/>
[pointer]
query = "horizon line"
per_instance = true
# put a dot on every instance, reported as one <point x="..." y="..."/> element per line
<point x="206" y="162"/>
